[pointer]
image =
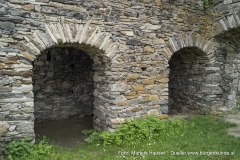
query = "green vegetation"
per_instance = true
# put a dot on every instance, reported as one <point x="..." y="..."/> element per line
<point x="26" y="150"/>
<point x="207" y="4"/>
<point x="198" y="135"/>
<point x="132" y="133"/>
<point x="236" y="109"/>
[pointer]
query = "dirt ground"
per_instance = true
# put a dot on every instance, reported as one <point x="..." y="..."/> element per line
<point x="66" y="132"/>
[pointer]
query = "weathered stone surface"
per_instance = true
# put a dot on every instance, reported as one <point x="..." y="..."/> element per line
<point x="12" y="128"/>
<point x="147" y="81"/>
<point x="133" y="76"/>
<point x="137" y="87"/>
<point x="7" y="25"/>
<point x="17" y="73"/>
<point x="46" y="9"/>
<point x="29" y="7"/>
<point x="153" y="111"/>
<point x="133" y="42"/>
<point x="6" y="89"/>
<point x="3" y="1"/>
<point x="164" y="116"/>
<point x="80" y="16"/>
<point x="164" y="80"/>
<point x="136" y="109"/>
<point x="46" y="39"/>
<point x="152" y="27"/>
<point x="128" y="33"/>
<point x="118" y="120"/>
<point x="122" y="103"/>
<point x="164" y="108"/>
<point x="217" y="90"/>
<point x="25" y="14"/>
<point x="14" y="19"/>
<point x="119" y="87"/>
<point x="99" y="114"/>
<point x="146" y="56"/>
<point x="153" y="97"/>
<point x="149" y="49"/>
<point x="60" y="1"/>
<point x="3" y="127"/>
<point x="2" y="10"/>
<point x="11" y="95"/>
<point x="25" y="127"/>
<point x="158" y="2"/>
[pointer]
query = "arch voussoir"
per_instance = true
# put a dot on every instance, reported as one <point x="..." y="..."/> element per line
<point x="93" y="35"/>
<point x="231" y="21"/>
<point x="46" y="39"/>
<point x="226" y="23"/>
<point x="37" y="40"/>
<point x="182" y="40"/>
<point x="97" y="41"/>
<point x="61" y="33"/>
<point x="168" y="53"/>
<point x="190" y="39"/>
<point x="105" y="41"/>
<point x="69" y="32"/>
<point x="111" y="51"/>
<point x="234" y="43"/>
<point x="179" y="41"/>
<point x="208" y="47"/>
<point x="30" y="46"/>
<point x="54" y="30"/>
<point x="203" y="43"/>
<point x="174" y="44"/>
<point x="84" y="32"/>
<point x="50" y="33"/>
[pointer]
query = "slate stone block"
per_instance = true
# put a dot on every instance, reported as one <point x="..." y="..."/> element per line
<point x="7" y="25"/>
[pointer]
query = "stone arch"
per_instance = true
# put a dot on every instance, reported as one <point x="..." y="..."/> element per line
<point x="193" y="78"/>
<point x="225" y="33"/>
<point x="61" y="33"/>
<point x="183" y="40"/>
<point x="227" y="23"/>
<point x="81" y="36"/>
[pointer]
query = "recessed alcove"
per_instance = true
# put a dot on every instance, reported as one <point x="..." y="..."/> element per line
<point x="63" y="88"/>
<point x="191" y="82"/>
<point x="62" y="84"/>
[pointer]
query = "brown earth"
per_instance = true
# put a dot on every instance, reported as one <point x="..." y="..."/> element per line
<point x="66" y="132"/>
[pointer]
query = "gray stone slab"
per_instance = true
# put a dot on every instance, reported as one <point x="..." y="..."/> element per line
<point x="25" y="127"/>
<point x="45" y="39"/>
<point x="2" y="10"/>
<point x="7" y="25"/>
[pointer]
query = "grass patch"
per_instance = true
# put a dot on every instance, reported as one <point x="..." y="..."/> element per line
<point x="199" y="134"/>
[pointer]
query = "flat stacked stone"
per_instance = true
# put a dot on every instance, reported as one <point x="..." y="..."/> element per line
<point x="128" y="47"/>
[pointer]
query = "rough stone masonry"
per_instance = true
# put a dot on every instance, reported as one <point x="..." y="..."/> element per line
<point x="116" y="59"/>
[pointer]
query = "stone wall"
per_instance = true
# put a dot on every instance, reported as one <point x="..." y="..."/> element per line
<point x="62" y="84"/>
<point x="226" y="24"/>
<point x="130" y="44"/>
